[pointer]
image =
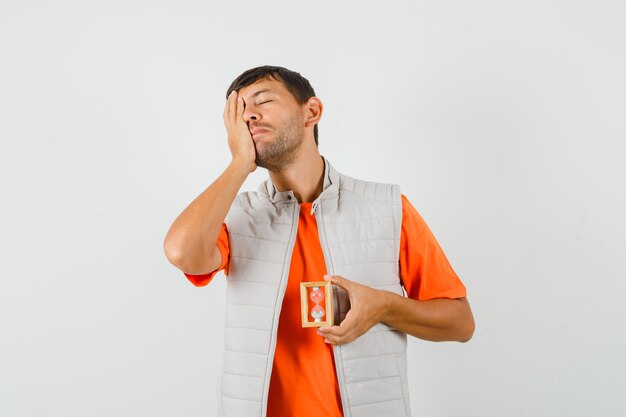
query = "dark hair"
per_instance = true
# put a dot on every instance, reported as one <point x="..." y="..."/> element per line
<point x="297" y="85"/>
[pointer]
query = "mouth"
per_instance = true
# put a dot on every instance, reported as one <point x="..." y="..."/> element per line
<point x="256" y="132"/>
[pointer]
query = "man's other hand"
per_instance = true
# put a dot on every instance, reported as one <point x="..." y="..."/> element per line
<point x="239" y="138"/>
<point x="367" y="307"/>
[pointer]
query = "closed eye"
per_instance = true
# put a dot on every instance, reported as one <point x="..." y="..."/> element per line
<point x="267" y="101"/>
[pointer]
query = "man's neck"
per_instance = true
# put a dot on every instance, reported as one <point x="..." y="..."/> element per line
<point x="305" y="176"/>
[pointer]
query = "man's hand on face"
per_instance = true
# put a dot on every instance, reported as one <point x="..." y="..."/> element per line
<point x="239" y="139"/>
<point x="367" y="307"/>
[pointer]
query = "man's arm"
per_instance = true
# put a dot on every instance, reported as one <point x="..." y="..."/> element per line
<point x="435" y="320"/>
<point x="190" y="242"/>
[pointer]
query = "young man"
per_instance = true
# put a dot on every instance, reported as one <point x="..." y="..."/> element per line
<point x="308" y="222"/>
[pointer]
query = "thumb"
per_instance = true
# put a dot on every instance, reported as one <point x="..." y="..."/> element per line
<point x="339" y="280"/>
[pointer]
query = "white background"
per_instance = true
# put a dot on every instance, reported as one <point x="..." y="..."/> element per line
<point x="503" y="122"/>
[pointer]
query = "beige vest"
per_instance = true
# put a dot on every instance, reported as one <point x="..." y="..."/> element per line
<point x="359" y="227"/>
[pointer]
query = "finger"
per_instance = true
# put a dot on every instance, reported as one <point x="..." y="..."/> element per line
<point x="227" y="107"/>
<point x="346" y="326"/>
<point x="331" y="338"/>
<point x="332" y="341"/>
<point x="331" y="331"/>
<point x="240" y="107"/>
<point x="225" y="114"/>
<point x="339" y="280"/>
<point x="232" y="108"/>
<point x="340" y="339"/>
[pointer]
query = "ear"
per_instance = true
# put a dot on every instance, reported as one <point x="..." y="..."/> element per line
<point x="313" y="111"/>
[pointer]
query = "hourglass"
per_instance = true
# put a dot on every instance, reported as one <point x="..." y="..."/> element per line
<point x="316" y="299"/>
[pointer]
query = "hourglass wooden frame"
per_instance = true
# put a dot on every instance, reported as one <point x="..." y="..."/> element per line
<point x="327" y="287"/>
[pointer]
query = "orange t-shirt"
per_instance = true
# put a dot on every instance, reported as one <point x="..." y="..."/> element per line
<point x="303" y="381"/>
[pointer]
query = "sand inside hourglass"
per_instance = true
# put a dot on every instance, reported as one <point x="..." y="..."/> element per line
<point x="316" y="295"/>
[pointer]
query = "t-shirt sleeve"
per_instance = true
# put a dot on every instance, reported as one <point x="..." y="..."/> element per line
<point x="425" y="271"/>
<point x="222" y="245"/>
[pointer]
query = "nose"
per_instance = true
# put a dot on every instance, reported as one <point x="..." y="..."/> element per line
<point x="250" y="113"/>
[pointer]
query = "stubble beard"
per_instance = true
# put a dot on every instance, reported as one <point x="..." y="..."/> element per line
<point x="279" y="155"/>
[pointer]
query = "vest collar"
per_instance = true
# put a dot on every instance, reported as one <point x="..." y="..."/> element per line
<point x="330" y="188"/>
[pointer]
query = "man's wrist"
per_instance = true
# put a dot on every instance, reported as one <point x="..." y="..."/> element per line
<point x="386" y="308"/>
<point x="240" y="167"/>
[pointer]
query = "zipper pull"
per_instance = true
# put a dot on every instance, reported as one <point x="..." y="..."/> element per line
<point x="314" y="207"/>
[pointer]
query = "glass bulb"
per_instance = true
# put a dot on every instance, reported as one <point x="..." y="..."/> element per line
<point x="317" y="295"/>
<point x="317" y="312"/>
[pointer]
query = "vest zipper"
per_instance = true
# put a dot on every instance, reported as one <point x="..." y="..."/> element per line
<point x="317" y="210"/>
<point x="281" y="296"/>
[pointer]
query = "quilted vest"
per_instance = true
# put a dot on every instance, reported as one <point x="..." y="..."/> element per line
<point x="359" y="227"/>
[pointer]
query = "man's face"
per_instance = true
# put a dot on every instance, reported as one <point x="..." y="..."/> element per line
<point x="276" y="123"/>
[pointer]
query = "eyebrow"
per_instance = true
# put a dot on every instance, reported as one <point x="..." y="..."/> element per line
<point x="265" y="90"/>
